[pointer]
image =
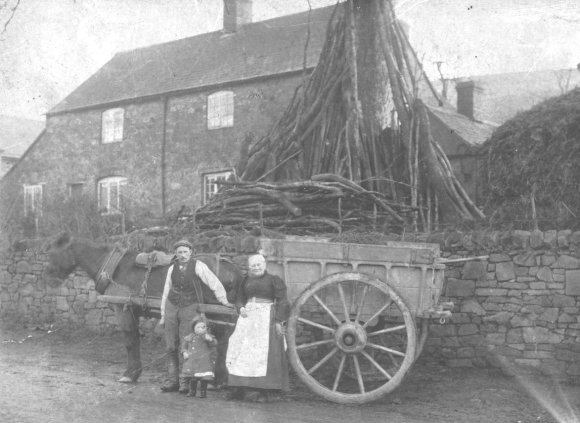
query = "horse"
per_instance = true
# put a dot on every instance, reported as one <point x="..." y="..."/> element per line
<point x="66" y="253"/>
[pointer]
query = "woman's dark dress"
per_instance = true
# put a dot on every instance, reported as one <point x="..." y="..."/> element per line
<point x="272" y="288"/>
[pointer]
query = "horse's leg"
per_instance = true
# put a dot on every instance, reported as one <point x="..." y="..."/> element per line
<point x="128" y="320"/>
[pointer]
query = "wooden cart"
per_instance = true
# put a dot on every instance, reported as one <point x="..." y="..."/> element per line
<point x="360" y="313"/>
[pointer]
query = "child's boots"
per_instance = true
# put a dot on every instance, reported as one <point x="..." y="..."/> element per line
<point x="192" y="387"/>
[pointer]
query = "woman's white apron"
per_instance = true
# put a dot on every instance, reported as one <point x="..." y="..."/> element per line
<point x="248" y="346"/>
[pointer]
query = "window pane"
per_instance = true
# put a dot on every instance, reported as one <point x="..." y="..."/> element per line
<point x="111" y="194"/>
<point x="112" y="123"/>
<point x="122" y="194"/>
<point x="220" y="110"/>
<point x="103" y="197"/>
<point x="32" y="199"/>
<point x="118" y="124"/>
<point x="210" y="187"/>
<point x="113" y="197"/>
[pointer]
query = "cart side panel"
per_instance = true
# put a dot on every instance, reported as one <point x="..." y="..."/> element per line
<point x="407" y="267"/>
<point x="403" y="252"/>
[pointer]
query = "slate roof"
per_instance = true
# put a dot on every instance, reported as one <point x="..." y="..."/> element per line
<point x="258" y="49"/>
<point x="472" y="132"/>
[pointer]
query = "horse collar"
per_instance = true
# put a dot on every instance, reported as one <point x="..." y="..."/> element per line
<point x="105" y="274"/>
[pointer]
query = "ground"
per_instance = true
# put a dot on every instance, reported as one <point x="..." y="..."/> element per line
<point x="57" y="375"/>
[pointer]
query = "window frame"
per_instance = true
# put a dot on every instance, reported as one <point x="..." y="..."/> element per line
<point x="112" y="125"/>
<point x="209" y="187"/>
<point x="107" y="182"/>
<point x="35" y="192"/>
<point x="220" y="110"/>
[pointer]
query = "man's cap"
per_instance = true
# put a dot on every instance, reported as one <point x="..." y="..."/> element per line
<point x="183" y="243"/>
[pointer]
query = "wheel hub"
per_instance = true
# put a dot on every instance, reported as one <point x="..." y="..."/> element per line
<point x="350" y="337"/>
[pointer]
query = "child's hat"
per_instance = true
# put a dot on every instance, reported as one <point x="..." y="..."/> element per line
<point x="198" y="318"/>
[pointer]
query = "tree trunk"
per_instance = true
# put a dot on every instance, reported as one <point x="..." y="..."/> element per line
<point x="373" y="89"/>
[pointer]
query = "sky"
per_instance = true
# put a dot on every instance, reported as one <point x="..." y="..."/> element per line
<point x="51" y="46"/>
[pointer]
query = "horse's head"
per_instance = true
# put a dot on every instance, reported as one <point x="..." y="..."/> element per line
<point x="61" y="261"/>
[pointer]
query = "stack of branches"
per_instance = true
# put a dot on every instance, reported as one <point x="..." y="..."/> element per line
<point x="430" y="174"/>
<point x="325" y="203"/>
<point x="323" y="130"/>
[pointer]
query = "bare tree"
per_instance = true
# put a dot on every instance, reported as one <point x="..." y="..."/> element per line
<point x="563" y="79"/>
<point x="7" y="11"/>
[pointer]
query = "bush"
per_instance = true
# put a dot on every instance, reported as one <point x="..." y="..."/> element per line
<point x="531" y="161"/>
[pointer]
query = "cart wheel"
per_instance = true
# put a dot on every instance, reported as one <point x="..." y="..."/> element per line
<point x="353" y="323"/>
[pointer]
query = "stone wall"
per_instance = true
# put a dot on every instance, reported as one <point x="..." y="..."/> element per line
<point x="26" y="299"/>
<point x="517" y="308"/>
<point x="164" y="153"/>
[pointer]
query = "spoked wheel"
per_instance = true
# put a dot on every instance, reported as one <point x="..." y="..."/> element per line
<point x="353" y="324"/>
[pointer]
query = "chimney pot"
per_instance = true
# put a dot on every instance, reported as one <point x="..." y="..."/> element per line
<point x="467" y="93"/>
<point x="236" y="14"/>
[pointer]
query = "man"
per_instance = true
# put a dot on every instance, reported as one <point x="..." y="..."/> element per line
<point x="179" y="305"/>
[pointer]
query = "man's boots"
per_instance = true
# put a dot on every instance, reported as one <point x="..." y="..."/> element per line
<point x="184" y="385"/>
<point x="171" y="383"/>
<point x="203" y="389"/>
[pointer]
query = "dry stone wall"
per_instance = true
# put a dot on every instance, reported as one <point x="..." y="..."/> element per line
<point x="26" y="299"/>
<point x="518" y="308"/>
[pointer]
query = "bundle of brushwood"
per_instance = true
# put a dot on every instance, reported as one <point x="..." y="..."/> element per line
<point x="325" y="203"/>
<point x="324" y="131"/>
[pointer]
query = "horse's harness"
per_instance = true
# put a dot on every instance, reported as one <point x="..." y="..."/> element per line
<point x="104" y="276"/>
<point x="105" y="273"/>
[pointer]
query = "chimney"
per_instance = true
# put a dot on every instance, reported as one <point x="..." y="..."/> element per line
<point x="467" y="98"/>
<point x="236" y="14"/>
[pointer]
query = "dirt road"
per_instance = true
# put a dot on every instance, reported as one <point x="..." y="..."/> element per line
<point x="58" y="376"/>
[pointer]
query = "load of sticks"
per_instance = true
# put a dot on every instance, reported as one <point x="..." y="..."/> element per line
<point x="398" y="174"/>
<point x="325" y="203"/>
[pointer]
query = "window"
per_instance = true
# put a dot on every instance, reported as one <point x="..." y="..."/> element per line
<point x="220" y="110"/>
<point x="112" y="125"/>
<point x="32" y="199"/>
<point x="75" y="189"/>
<point x="112" y="194"/>
<point x="210" y="187"/>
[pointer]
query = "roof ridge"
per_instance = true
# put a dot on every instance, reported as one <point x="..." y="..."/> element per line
<point x="221" y="31"/>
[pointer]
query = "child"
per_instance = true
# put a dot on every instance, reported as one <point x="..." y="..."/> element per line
<point x="198" y="357"/>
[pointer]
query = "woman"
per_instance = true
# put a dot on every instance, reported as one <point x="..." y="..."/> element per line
<point x="256" y="357"/>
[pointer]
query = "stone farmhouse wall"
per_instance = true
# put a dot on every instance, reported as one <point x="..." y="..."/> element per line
<point x="70" y="150"/>
<point x="517" y="308"/>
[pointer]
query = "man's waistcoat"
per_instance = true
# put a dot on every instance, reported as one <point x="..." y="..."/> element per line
<point x="183" y="292"/>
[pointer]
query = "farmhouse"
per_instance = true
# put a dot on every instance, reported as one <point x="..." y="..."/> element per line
<point x="16" y="135"/>
<point x="151" y="132"/>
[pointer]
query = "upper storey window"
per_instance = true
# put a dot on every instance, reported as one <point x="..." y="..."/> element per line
<point x="112" y="125"/>
<point x="220" y="110"/>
